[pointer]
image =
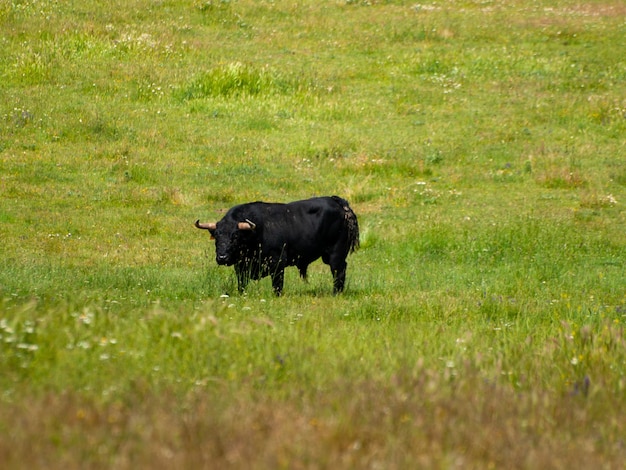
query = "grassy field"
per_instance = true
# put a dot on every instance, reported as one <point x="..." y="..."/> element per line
<point x="483" y="147"/>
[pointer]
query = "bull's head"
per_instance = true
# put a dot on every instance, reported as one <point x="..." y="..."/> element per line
<point x="227" y="239"/>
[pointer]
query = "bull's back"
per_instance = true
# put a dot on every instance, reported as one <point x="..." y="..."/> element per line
<point x="319" y="225"/>
<point x="308" y="227"/>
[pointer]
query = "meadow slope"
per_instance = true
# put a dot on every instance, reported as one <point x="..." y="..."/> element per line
<point x="482" y="146"/>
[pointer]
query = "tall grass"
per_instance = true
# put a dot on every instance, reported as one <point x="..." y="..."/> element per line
<point x="481" y="146"/>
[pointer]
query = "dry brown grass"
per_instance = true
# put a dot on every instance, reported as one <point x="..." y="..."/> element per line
<point x="561" y="178"/>
<point x="430" y="421"/>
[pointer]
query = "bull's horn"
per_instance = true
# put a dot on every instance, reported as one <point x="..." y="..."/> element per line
<point x="247" y="225"/>
<point x="207" y="226"/>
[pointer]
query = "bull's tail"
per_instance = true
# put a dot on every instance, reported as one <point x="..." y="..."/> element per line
<point x="352" y="224"/>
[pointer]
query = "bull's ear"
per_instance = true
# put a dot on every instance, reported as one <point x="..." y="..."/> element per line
<point x="247" y="225"/>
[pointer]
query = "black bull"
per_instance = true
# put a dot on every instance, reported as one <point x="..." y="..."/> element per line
<point x="261" y="239"/>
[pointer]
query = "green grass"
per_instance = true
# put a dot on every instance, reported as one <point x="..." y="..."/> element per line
<point x="481" y="146"/>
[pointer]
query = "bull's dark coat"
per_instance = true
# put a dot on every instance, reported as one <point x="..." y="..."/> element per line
<point x="276" y="235"/>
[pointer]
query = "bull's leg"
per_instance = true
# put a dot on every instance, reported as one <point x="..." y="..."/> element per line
<point x="338" y="267"/>
<point x="278" y="280"/>
<point x="303" y="268"/>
